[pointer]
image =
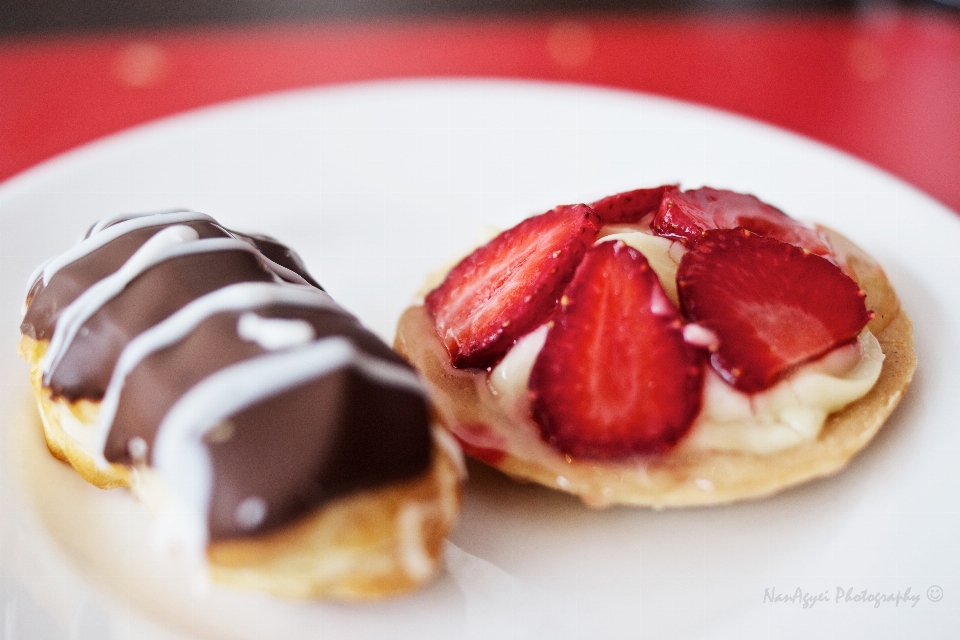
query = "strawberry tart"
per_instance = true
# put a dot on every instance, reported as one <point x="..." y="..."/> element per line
<point x="663" y="347"/>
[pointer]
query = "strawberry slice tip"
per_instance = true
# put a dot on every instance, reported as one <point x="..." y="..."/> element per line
<point x="615" y="377"/>
<point x="511" y="285"/>
<point x="685" y="215"/>
<point x="773" y="306"/>
<point x="630" y="206"/>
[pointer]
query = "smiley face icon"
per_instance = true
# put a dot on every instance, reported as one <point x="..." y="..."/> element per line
<point x="934" y="594"/>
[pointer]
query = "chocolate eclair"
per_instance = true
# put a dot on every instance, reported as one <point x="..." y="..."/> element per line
<point x="271" y="433"/>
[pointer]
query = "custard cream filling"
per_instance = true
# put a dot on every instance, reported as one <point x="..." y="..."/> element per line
<point x="787" y="414"/>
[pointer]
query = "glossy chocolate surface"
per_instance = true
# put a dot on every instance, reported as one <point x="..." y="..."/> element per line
<point x="323" y="437"/>
<point x="46" y="302"/>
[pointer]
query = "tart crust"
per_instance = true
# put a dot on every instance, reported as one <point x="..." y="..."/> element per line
<point x="684" y="476"/>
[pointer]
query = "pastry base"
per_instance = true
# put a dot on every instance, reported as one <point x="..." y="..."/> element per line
<point x="684" y="476"/>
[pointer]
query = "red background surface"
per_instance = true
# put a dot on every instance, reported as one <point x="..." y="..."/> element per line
<point x="883" y="86"/>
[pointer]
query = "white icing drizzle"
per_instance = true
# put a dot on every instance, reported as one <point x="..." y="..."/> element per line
<point x="91" y="300"/>
<point x="235" y="297"/>
<point x="274" y="333"/>
<point x="171" y="242"/>
<point x="250" y="512"/>
<point x="105" y="235"/>
<point x="138" y="448"/>
<point x="103" y="223"/>
<point x="109" y="229"/>
<point x="179" y="453"/>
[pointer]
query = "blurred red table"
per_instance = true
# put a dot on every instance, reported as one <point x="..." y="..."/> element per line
<point x="883" y="86"/>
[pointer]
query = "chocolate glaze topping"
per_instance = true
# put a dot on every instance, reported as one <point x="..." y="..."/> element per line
<point x="280" y="253"/>
<point x="200" y="332"/>
<point x="78" y="276"/>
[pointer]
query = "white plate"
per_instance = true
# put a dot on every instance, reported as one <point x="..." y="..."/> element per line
<point x="378" y="184"/>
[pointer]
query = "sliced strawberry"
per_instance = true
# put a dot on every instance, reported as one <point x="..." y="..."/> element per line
<point x="773" y="306"/>
<point x="511" y="285"/>
<point x="684" y="215"/>
<point x="629" y="206"/>
<point x="615" y="377"/>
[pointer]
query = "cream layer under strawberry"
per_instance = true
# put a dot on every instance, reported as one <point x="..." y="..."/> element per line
<point x="789" y="413"/>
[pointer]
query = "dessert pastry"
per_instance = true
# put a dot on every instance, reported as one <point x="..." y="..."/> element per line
<point x="663" y="347"/>
<point x="275" y="438"/>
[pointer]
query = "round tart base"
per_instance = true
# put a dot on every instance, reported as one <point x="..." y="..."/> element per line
<point x="684" y="476"/>
<point x="369" y="544"/>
